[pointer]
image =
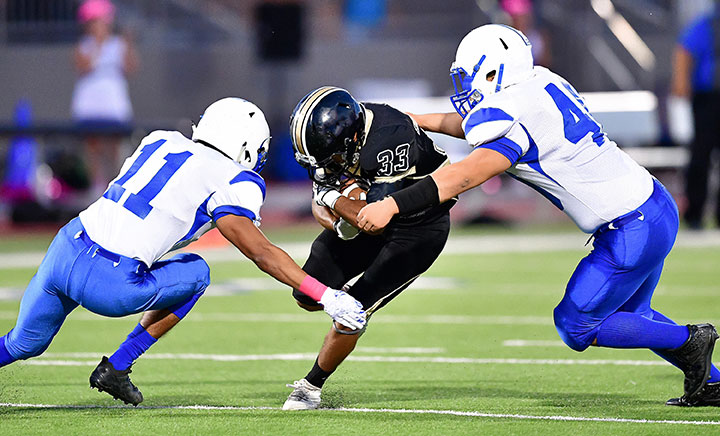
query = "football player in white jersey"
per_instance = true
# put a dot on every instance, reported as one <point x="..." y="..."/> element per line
<point x="530" y="123"/>
<point x="169" y="192"/>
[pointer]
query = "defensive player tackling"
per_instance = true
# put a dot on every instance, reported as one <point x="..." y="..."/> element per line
<point x="530" y="123"/>
<point x="169" y="192"/>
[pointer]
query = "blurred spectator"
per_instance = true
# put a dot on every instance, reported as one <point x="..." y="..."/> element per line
<point x="522" y="17"/>
<point x="19" y="181"/>
<point x="101" y="99"/>
<point x="362" y="17"/>
<point x="696" y="75"/>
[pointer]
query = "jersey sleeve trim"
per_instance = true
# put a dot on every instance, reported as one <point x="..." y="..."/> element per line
<point x="250" y="176"/>
<point x="484" y="115"/>
<point x="507" y="147"/>
<point x="221" y="211"/>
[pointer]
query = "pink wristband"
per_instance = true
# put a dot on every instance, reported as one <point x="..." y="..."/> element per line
<point x="312" y="288"/>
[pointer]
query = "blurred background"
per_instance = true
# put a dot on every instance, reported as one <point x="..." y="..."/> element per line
<point x="83" y="81"/>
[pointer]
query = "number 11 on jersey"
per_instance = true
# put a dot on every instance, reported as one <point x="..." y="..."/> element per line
<point x="139" y="203"/>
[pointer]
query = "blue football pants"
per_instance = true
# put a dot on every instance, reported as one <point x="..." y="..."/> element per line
<point x="621" y="272"/>
<point x="76" y="271"/>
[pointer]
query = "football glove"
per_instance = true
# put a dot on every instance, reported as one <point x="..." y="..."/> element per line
<point x="344" y="229"/>
<point x="343" y="308"/>
<point x="325" y="196"/>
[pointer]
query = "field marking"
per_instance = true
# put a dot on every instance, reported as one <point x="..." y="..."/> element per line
<point x="382" y="410"/>
<point x="268" y="284"/>
<point x="57" y="359"/>
<point x="303" y="317"/>
<point x="532" y="343"/>
<point x="466" y="244"/>
<point x="410" y="350"/>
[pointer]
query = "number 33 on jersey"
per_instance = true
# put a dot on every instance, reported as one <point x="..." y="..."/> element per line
<point x="152" y="191"/>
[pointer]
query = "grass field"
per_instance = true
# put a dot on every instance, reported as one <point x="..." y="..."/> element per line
<point x="470" y="349"/>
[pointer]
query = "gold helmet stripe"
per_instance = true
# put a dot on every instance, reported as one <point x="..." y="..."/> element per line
<point x="302" y="116"/>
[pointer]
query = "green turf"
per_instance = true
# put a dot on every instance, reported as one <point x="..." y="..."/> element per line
<point x="521" y="285"/>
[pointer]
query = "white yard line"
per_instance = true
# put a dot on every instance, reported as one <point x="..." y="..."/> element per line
<point x="532" y="343"/>
<point x="319" y="318"/>
<point x="368" y="410"/>
<point x="58" y="359"/>
<point x="512" y="243"/>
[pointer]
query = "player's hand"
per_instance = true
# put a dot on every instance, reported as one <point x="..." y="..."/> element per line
<point x="376" y="216"/>
<point x="343" y="308"/>
<point x="325" y="195"/>
<point x="345" y="230"/>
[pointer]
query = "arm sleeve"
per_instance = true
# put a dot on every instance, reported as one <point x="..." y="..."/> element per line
<point x="487" y="123"/>
<point x="244" y="196"/>
<point x="513" y="145"/>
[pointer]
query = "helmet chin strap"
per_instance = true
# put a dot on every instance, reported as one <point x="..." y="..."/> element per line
<point x="206" y="144"/>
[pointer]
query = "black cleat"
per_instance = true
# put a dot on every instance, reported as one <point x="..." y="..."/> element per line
<point x="709" y="396"/>
<point x="694" y="357"/>
<point x="106" y="378"/>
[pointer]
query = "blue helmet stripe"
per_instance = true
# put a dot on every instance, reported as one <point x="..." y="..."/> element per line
<point x="500" y="76"/>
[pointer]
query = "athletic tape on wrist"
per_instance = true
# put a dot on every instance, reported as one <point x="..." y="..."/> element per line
<point x="312" y="288"/>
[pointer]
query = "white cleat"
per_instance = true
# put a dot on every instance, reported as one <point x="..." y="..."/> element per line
<point x="304" y="396"/>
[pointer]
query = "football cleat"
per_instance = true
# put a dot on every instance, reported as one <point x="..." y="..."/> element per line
<point x="694" y="357"/>
<point x="105" y="378"/>
<point x="709" y="396"/>
<point x="305" y="396"/>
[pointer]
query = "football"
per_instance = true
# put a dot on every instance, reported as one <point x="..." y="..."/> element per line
<point x="354" y="192"/>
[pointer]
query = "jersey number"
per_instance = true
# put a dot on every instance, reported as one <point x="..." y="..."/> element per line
<point x="386" y="159"/>
<point x="139" y="203"/>
<point x="576" y="120"/>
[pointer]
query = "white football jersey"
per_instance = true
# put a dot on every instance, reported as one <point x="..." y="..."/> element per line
<point x="556" y="147"/>
<point x="168" y="194"/>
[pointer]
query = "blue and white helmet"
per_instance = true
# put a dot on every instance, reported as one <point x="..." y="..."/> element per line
<point x="238" y="129"/>
<point x="490" y="49"/>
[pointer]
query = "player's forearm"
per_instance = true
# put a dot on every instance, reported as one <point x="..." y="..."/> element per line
<point x="348" y="209"/>
<point x="452" y="181"/>
<point x="447" y="123"/>
<point x="323" y="216"/>
<point x="274" y="261"/>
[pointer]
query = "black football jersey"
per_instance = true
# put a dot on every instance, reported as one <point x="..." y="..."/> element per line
<point x="396" y="154"/>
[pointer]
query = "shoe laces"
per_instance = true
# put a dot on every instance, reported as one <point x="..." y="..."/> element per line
<point x="303" y="384"/>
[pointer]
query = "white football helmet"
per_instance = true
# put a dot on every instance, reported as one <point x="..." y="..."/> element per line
<point x="488" y="49"/>
<point x="238" y="129"/>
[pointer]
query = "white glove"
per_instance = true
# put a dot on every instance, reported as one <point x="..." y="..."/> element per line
<point x="344" y="229"/>
<point x="325" y="196"/>
<point x="343" y="308"/>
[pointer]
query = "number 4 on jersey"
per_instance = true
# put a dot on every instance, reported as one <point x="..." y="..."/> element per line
<point x="139" y="203"/>
<point x="577" y="121"/>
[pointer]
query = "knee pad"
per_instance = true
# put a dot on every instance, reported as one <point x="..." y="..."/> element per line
<point x="349" y="332"/>
<point x="21" y="349"/>
<point x="573" y="329"/>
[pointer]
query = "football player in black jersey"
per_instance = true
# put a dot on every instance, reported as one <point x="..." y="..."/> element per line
<point x="345" y="144"/>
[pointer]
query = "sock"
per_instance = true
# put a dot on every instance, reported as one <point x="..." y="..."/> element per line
<point x="714" y="372"/>
<point x="631" y="330"/>
<point x="181" y="309"/>
<point x="131" y="349"/>
<point x="317" y="375"/>
<point x="136" y="331"/>
<point x="5" y="357"/>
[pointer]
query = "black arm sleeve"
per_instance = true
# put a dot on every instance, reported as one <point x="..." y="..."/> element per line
<point x="421" y="195"/>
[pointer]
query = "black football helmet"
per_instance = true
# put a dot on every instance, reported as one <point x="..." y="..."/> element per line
<point x="327" y="129"/>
